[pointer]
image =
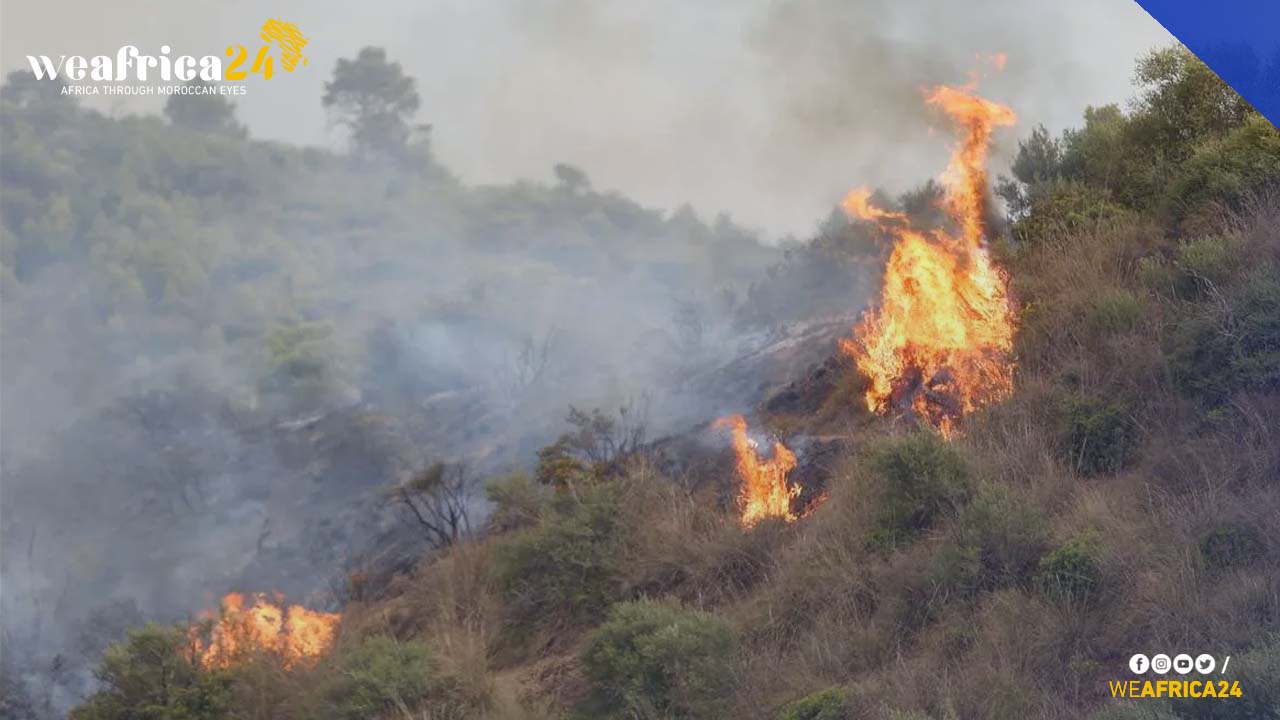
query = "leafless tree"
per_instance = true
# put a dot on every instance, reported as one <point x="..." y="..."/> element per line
<point x="528" y="368"/>
<point x="602" y="439"/>
<point x="439" y="498"/>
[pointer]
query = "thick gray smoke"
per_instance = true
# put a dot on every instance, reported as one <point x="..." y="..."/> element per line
<point x="767" y="109"/>
<point x="157" y="451"/>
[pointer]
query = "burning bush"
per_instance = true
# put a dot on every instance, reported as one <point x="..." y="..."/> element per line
<point x="765" y="490"/>
<point x="264" y="625"/>
<point x="938" y="345"/>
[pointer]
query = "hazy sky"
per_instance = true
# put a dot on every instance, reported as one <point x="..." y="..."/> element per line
<point x="766" y="110"/>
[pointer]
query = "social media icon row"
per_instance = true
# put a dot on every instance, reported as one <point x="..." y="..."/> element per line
<point x="1181" y="664"/>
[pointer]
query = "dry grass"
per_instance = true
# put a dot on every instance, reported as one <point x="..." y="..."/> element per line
<point x="913" y="629"/>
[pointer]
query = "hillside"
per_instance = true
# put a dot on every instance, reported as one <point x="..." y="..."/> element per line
<point x="1122" y="497"/>
<point x="219" y="353"/>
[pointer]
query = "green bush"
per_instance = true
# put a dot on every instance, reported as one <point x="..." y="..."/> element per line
<point x="1230" y="546"/>
<point x="1207" y="261"/>
<point x="1003" y="535"/>
<point x="1224" y="172"/>
<point x="1095" y="436"/>
<point x="1114" y="311"/>
<point x="1258" y="672"/>
<point x="652" y="660"/>
<point x="564" y="570"/>
<point x="829" y="704"/>
<point x="1218" y="349"/>
<point x="518" y="502"/>
<point x="1071" y="573"/>
<point x="923" y="478"/>
<point x="1063" y="207"/>
<point x="385" y="677"/>
<point x="150" y="675"/>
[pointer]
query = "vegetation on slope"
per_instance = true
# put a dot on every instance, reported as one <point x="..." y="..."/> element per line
<point x="1124" y="500"/>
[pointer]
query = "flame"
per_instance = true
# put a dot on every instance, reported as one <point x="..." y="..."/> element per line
<point x="858" y="204"/>
<point x="765" y="491"/>
<point x="939" y="342"/>
<point x="294" y="633"/>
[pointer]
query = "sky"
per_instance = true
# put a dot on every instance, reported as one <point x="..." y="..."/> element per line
<point x="766" y="110"/>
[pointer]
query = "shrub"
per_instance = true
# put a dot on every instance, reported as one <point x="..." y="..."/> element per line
<point x="1204" y="261"/>
<point x="1004" y="536"/>
<point x="1230" y="546"/>
<point x="565" y="569"/>
<point x="652" y="660"/>
<point x="1063" y="207"/>
<point x="923" y="477"/>
<point x="996" y="541"/>
<point x="829" y="704"/>
<point x="955" y="568"/>
<point x="518" y="502"/>
<point x="1095" y="435"/>
<point x="382" y="676"/>
<point x="1114" y="311"/>
<point x="1258" y="672"/>
<point x="150" y="674"/>
<point x="1071" y="573"/>
<point x="1224" y="171"/>
<point x="1219" y="350"/>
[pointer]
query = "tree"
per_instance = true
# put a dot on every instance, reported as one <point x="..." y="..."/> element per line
<point x="43" y="100"/>
<point x="375" y="100"/>
<point x="1035" y="168"/>
<point x="1182" y="100"/>
<point x="440" y="500"/>
<point x="153" y="674"/>
<point x="203" y="112"/>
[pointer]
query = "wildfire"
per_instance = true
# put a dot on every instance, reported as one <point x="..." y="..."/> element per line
<point x="765" y="491"/>
<point x="938" y="345"/>
<point x="262" y="625"/>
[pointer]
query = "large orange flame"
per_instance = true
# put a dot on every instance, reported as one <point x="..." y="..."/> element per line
<point x="938" y="345"/>
<point x="263" y="625"/>
<point x="765" y="491"/>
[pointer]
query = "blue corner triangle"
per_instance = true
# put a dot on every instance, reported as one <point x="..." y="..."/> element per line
<point x="1238" y="39"/>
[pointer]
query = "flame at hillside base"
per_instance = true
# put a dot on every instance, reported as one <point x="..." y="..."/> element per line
<point x="938" y="344"/>
<point x="263" y="625"/>
<point x="765" y="491"/>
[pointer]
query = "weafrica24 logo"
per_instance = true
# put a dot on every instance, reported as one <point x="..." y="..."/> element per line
<point x="129" y="64"/>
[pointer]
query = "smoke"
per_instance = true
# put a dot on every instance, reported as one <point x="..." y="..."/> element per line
<point x="768" y="109"/>
<point x="210" y="401"/>
<point x="153" y="458"/>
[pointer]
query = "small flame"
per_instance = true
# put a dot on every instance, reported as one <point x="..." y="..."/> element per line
<point x="939" y="342"/>
<point x="858" y="204"/>
<point x="263" y="625"/>
<point x="765" y="491"/>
